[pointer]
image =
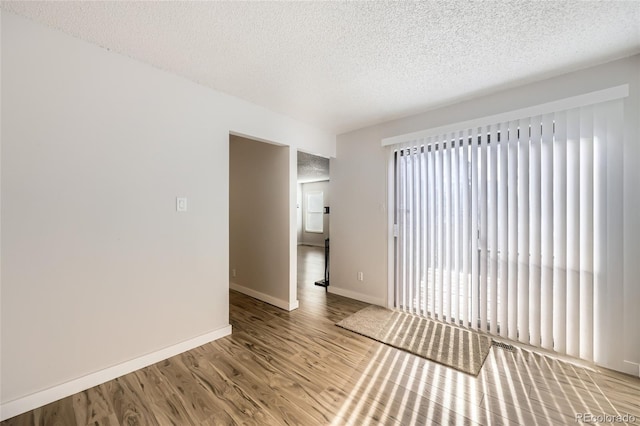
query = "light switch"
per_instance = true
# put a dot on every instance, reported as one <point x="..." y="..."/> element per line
<point x="181" y="204"/>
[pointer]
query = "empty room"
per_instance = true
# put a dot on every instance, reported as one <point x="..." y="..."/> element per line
<point x="319" y="213"/>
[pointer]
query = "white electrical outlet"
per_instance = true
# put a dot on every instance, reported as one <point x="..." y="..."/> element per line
<point x="181" y="204"/>
<point x="233" y="273"/>
<point x="360" y="276"/>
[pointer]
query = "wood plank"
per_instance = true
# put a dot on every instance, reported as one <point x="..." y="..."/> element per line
<point x="233" y="398"/>
<point x="166" y="405"/>
<point x="130" y="407"/>
<point x="59" y="413"/>
<point x="26" y="419"/>
<point x="275" y="389"/>
<point x="93" y="407"/>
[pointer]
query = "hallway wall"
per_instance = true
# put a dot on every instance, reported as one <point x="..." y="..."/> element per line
<point x="259" y="219"/>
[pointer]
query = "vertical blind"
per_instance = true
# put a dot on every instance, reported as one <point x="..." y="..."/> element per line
<point x="503" y="227"/>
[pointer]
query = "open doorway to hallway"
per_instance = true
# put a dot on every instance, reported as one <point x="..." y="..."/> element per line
<point x="260" y="199"/>
<point x="313" y="211"/>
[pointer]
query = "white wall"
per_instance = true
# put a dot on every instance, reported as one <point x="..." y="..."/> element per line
<point x="358" y="182"/>
<point x="259" y="219"/>
<point x="299" y="212"/>
<point x="98" y="268"/>
<point x="314" y="238"/>
<point x="358" y="217"/>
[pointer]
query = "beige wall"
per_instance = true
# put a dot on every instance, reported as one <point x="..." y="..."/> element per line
<point x="313" y="238"/>
<point x="98" y="268"/>
<point x="359" y="218"/>
<point x="359" y="227"/>
<point x="259" y="217"/>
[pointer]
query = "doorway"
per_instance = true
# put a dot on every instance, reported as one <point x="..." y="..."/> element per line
<point x="259" y="220"/>
<point x="313" y="212"/>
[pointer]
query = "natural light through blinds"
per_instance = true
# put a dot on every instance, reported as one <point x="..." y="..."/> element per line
<point x="503" y="227"/>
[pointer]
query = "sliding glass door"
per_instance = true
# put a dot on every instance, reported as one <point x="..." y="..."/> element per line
<point x="503" y="227"/>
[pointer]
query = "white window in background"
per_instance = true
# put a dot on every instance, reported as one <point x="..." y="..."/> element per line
<point x="314" y="210"/>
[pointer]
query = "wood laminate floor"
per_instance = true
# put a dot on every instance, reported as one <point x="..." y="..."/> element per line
<point x="299" y="368"/>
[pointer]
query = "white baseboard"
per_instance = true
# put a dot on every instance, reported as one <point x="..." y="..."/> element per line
<point x="47" y="396"/>
<point x="357" y="296"/>
<point x="633" y="367"/>
<point x="279" y="303"/>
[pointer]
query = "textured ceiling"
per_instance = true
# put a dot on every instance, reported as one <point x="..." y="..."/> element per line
<point x="345" y="65"/>
<point x="312" y="168"/>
